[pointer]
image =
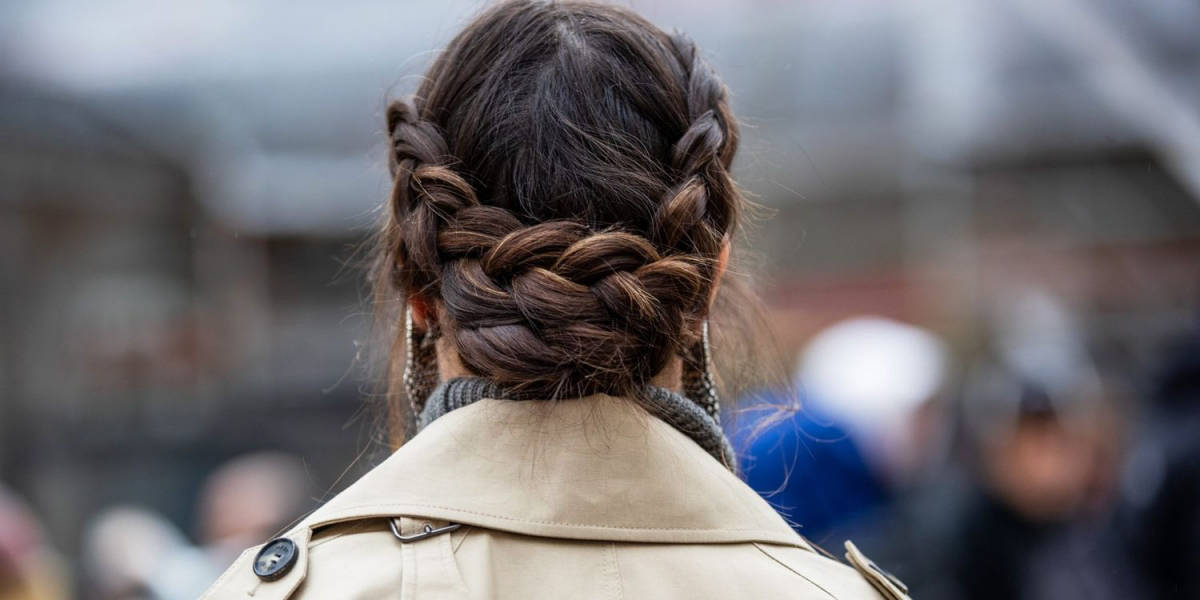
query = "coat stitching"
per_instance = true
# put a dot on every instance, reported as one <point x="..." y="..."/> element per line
<point x="314" y="545"/>
<point x="619" y="589"/>
<point x="217" y="584"/>
<point x="789" y="567"/>
<point x="466" y="533"/>
<point x="449" y="563"/>
<point x="348" y="513"/>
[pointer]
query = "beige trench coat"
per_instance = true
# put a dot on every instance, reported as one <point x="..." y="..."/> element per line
<point x="589" y="498"/>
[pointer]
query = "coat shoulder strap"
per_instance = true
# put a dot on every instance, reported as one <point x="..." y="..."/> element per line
<point x="271" y="571"/>
<point x="887" y="584"/>
<point x="430" y="571"/>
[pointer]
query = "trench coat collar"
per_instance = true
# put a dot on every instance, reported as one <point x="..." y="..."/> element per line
<point x="596" y="468"/>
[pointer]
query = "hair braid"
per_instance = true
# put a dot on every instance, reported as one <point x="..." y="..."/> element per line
<point x="562" y="196"/>
<point x="698" y="212"/>
<point x="555" y="308"/>
<point x="426" y="193"/>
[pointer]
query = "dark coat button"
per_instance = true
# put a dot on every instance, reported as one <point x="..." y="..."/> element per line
<point x="275" y="559"/>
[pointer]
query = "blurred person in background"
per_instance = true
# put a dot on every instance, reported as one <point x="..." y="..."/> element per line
<point x="561" y="218"/>
<point x="29" y="569"/>
<point x="864" y="429"/>
<point x="1043" y="441"/>
<point x="134" y="553"/>
<point x="249" y="499"/>
<point x="1017" y="502"/>
<point x="1043" y="465"/>
<point x="1160" y="487"/>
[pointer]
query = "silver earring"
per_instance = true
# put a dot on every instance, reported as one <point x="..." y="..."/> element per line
<point x="420" y="366"/>
<point x="698" y="383"/>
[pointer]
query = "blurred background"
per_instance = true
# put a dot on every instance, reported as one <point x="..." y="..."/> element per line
<point x="981" y="251"/>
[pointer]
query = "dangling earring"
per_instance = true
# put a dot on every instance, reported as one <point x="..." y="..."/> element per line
<point x="698" y="383"/>
<point x="420" y="367"/>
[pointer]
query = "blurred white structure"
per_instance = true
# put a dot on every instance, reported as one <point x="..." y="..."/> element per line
<point x="876" y="378"/>
<point x="871" y="373"/>
<point x="134" y="553"/>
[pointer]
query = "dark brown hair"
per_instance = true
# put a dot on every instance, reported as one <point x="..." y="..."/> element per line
<point x="562" y="196"/>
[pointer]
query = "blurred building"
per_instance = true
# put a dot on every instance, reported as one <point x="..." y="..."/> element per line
<point x="143" y="343"/>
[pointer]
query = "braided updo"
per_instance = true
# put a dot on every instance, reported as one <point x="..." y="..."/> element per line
<point x="562" y="196"/>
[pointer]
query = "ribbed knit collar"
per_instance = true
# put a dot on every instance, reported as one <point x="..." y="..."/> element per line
<point x="676" y="410"/>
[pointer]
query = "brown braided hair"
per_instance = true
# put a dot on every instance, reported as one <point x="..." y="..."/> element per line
<point x="562" y="196"/>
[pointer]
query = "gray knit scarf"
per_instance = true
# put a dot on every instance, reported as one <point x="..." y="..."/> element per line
<point x="676" y="410"/>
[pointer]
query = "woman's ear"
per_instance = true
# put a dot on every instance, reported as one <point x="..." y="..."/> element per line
<point x="420" y="311"/>
<point x="719" y="272"/>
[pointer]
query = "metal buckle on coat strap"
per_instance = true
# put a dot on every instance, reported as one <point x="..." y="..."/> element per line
<point x="427" y="532"/>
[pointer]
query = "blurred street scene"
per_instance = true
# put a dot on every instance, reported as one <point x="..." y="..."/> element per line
<point x="979" y="244"/>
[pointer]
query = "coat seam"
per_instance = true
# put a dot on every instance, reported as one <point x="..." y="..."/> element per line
<point x="789" y="567"/>
<point x="605" y="575"/>
<point x="616" y="591"/>
<point x="314" y="545"/>
<point x="470" y="528"/>
<point x="216" y="584"/>
<point x="451" y="565"/>
<point x="617" y="571"/>
<point x="342" y="515"/>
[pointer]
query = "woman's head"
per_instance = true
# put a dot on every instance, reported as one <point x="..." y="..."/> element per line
<point x="562" y="199"/>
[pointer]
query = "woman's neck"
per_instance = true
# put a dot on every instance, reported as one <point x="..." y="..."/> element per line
<point x="450" y="367"/>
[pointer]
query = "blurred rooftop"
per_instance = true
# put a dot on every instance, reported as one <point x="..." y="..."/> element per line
<point x="274" y="106"/>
